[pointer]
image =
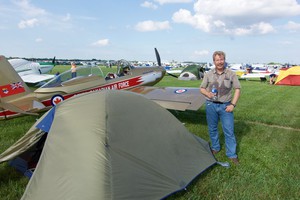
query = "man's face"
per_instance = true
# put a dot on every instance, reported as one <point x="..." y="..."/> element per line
<point x="219" y="61"/>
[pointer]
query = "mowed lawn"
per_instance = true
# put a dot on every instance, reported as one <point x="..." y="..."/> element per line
<point x="267" y="126"/>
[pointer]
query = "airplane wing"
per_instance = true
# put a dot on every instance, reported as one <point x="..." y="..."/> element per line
<point x="174" y="98"/>
<point x="175" y="71"/>
<point x="36" y="78"/>
<point x="258" y="75"/>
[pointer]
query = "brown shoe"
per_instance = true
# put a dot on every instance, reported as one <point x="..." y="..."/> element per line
<point x="214" y="152"/>
<point x="235" y="160"/>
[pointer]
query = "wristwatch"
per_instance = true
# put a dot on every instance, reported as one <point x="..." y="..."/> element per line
<point x="232" y="104"/>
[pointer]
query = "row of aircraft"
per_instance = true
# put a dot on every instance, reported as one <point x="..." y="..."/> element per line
<point x="17" y="99"/>
<point x="254" y="71"/>
<point x="196" y="71"/>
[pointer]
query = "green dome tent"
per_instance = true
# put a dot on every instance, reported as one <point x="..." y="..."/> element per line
<point x="111" y="145"/>
<point x="192" y="72"/>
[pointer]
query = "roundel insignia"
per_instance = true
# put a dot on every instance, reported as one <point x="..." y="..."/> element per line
<point x="56" y="99"/>
<point x="180" y="91"/>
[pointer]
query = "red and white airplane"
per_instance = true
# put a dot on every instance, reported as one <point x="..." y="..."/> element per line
<point x="17" y="99"/>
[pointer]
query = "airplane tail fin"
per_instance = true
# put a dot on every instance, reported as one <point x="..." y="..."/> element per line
<point x="159" y="62"/>
<point x="11" y="84"/>
<point x="53" y="61"/>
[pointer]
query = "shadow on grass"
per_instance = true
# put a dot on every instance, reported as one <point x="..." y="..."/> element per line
<point x="241" y="130"/>
<point x="199" y="117"/>
<point x="193" y="117"/>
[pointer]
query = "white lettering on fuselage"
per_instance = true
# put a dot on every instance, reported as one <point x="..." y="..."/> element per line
<point x="116" y="86"/>
<point x="123" y="85"/>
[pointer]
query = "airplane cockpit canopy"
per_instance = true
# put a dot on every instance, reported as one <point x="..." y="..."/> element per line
<point x="123" y="65"/>
<point x="81" y="72"/>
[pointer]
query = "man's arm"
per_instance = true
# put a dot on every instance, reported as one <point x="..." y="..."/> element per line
<point x="236" y="96"/>
<point x="206" y="93"/>
<point x="235" y="99"/>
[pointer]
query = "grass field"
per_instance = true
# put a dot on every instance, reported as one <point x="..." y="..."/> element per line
<point x="267" y="126"/>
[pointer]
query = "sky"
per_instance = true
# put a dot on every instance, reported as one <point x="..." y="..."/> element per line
<point x="248" y="31"/>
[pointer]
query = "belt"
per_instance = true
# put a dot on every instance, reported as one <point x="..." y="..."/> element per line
<point x="217" y="102"/>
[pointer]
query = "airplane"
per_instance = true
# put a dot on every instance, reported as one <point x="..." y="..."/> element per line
<point x="262" y="74"/>
<point x="32" y="72"/>
<point x="254" y="75"/>
<point x="16" y="99"/>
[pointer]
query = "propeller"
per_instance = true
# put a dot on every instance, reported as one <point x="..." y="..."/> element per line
<point x="159" y="62"/>
<point x="157" y="57"/>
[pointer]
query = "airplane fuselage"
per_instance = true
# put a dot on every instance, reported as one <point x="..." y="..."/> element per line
<point x="50" y="96"/>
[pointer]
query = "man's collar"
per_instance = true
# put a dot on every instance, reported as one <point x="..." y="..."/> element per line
<point x="224" y="71"/>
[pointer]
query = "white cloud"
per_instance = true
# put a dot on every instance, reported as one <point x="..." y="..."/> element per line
<point x="172" y="1"/>
<point x="292" y="26"/>
<point x="201" y="22"/>
<point x="201" y="53"/>
<point x="29" y="9"/>
<point x="260" y="28"/>
<point x="148" y="4"/>
<point x="243" y="8"/>
<point x="102" y="42"/>
<point x="263" y="28"/>
<point x="152" y="26"/>
<point x="237" y="17"/>
<point x="28" y="23"/>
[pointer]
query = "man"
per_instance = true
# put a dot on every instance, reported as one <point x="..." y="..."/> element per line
<point x="73" y="69"/>
<point x="272" y="77"/>
<point x="126" y="71"/>
<point x="222" y="106"/>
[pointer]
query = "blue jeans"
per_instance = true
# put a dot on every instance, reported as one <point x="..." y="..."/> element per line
<point x="74" y="74"/>
<point x="214" y="112"/>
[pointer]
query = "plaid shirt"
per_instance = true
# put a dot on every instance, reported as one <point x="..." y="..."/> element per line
<point x="225" y="83"/>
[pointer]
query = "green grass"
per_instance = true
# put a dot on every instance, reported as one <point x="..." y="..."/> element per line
<point x="267" y="127"/>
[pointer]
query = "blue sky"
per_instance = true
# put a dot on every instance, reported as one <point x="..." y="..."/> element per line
<point x="249" y="31"/>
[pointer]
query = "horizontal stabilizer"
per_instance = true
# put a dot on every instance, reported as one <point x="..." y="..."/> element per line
<point x="36" y="78"/>
<point x="14" y="108"/>
<point x="37" y="105"/>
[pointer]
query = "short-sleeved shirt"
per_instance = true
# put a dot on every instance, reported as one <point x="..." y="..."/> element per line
<point x="73" y="68"/>
<point x="225" y="83"/>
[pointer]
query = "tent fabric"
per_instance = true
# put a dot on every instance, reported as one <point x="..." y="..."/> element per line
<point x="191" y="72"/>
<point x="290" y="76"/>
<point x="25" y="143"/>
<point x="46" y="123"/>
<point x="116" y="145"/>
<point x="187" y="76"/>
